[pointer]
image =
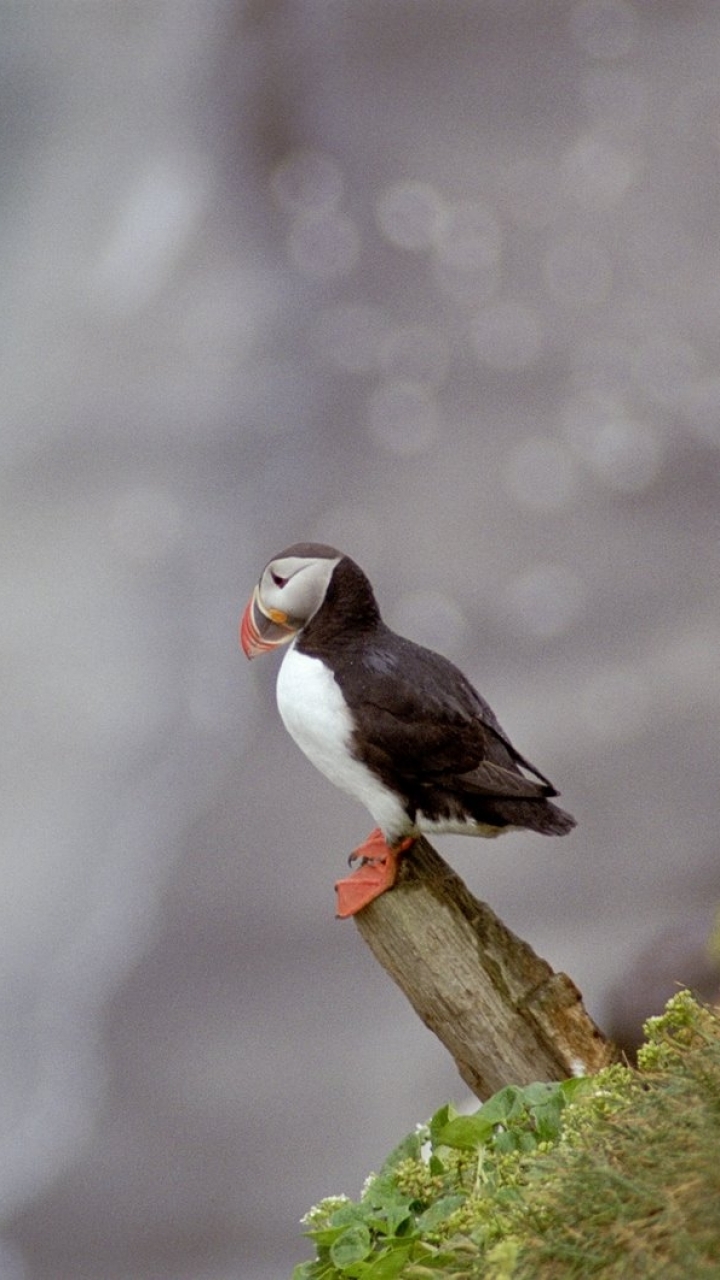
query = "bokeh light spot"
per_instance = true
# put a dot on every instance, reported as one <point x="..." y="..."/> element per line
<point x="627" y="454"/>
<point x="507" y="335"/>
<point x="624" y="452"/>
<point x="410" y="214"/>
<point x="152" y="228"/>
<point x="470" y="237"/>
<point x="597" y="175"/>
<point x="403" y="417"/>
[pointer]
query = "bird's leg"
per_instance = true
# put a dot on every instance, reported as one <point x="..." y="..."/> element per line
<point x="377" y="872"/>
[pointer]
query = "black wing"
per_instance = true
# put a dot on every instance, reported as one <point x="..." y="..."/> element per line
<point x="418" y="719"/>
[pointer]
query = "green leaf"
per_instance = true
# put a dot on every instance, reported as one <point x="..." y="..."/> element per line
<point x="325" y="1236"/>
<point x="388" y="1264"/>
<point x="467" y="1133"/>
<point x="525" y="1141"/>
<point x="349" y="1214"/>
<point x="384" y="1208"/>
<point x="504" y="1105"/>
<point x="440" y="1120"/>
<point x="535" y="1095"/>
<point x="429" y="1259"/>
<point x="507" y="1141"/>
<point x="352" y="1246"/>
<point x="547" y="1121"/>
<point x="571" y="1089"/>
<point x="305" y="1271"/>
<point x="439" y="1212"/>
<point x="390" y="1223"/>
<point x="321" y="1269"/>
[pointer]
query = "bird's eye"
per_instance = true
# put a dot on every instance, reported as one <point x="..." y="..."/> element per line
<point x="279" y="582"/>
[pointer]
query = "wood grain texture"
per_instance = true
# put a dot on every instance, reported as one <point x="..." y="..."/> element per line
<point x="501" y="1011"/>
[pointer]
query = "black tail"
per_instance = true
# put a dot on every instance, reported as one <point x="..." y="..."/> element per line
<point x="551" y="820"/>
<point x="542" y="816"/>
<point x="533" y="815"/>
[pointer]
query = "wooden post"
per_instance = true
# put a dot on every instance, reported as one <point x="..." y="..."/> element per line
<point x="500" y="1010"/>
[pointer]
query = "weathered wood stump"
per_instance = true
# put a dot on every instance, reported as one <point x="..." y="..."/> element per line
<point x="499" y="1009"/>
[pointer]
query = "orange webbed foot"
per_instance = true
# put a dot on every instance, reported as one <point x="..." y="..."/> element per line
<point x="377" y="873"/>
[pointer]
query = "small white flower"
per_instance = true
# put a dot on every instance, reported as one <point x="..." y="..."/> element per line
<point x="323" y="1209"/>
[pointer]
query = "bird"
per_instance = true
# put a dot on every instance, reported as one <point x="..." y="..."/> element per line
<point x="390" y="722"/>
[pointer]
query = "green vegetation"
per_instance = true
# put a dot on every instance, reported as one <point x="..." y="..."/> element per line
<point x="614" y="1176"/>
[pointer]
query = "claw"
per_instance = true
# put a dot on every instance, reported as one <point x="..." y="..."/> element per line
<point x="376" y="874"/>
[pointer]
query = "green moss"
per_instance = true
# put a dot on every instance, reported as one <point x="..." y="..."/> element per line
<point x="613" y="1176"/>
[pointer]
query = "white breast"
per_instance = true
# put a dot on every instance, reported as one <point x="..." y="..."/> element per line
<point x="315" y="714"/>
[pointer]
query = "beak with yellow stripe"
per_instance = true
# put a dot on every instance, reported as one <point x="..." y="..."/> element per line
<point x="264" y="629"/>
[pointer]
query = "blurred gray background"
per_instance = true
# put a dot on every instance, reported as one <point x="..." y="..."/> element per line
<point x="438" y="283"/>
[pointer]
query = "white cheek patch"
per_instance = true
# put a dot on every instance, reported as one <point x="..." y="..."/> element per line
<point x="306" y="582"/>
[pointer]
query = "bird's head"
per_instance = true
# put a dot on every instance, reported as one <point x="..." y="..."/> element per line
<point x="291" y="589"/>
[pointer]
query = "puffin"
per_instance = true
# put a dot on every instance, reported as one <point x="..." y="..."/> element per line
<point x="392" y="723"/>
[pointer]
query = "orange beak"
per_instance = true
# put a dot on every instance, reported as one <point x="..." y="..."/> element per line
<point x="262" y="630"/>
